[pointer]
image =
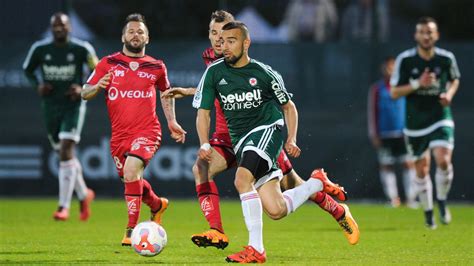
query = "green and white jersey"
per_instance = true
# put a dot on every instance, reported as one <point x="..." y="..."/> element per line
<point x="59" y="66"/>
<point x="248" y="96"/>
<point x="424" y="113"/>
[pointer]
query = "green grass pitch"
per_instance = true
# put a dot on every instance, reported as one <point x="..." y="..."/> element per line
<point x="28" y="235"/>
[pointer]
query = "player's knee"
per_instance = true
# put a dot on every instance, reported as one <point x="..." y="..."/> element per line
<point x="444" y="163"/>
<point x="130" y="174"/>
<point x="199" y="169"/>
<point x="277" y="212"/>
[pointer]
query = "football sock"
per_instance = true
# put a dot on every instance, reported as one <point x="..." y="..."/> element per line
<point x="208" y="196"/>
<point x="389" y="184"/>
<point x="252" y="210"/>
<point x="328" y="204"/>
<point x="424" y="189"/>
<point x="150" y="198"/>
<point x="133" y="197"/>
<point x="442" y="207"/>
<point x="409" y="184"/>
<point x="443" y="179"/>
<point x="295" y="197"/>
<point x="80" y="185"/>
<point x="67" y="175"/>
<point x="429" y="217"/>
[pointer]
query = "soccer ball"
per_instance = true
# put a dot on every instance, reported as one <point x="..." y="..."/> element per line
<point x="149" y="239"/>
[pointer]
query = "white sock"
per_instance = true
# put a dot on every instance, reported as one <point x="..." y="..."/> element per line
<point x="252" y="210"/>
<point x="444" y="179"/>
<point x="80" y="186"/>
<point x="389" y="184"/>
<point x="67" y="179"/>
<point x="424" y="189"/>
<point x="295" y="197"/>
<point x="409" y="184"/>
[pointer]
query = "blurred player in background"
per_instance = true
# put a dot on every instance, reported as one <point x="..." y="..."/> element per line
<point x="61" y="63"/>
<point x="248" y="92"/>
<point x="429" y="77"/>
<point x="129" y="80"/>
<point x="386" y="118"/>
<point x="223" y="158"/>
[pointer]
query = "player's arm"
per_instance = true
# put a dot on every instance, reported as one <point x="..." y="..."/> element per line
<point x="178" y="92"/>
<point x="32" y="61"/>
<point x="291" y="119"/>
<point x="168" y="106"/>
<point x="91" y="57"/>
<point x="372" y="116"/>
<point x="453" y="76"/>
<point x="203" y="124"/>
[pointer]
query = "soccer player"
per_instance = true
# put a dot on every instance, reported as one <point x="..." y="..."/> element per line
<point x="386" y="118"/>
<point x="224" y="158"/>
<point x="61" y="61"/>
<point x="129" y="80"/>
<point x="429" y="77"/>
<point x="248" y="92"/>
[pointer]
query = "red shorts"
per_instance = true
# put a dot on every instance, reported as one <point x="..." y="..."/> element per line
<point x="222" y="144"/>
<point x="140" y="145"/>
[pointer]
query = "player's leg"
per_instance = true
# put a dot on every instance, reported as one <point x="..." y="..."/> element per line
<point x="208" y="196"/>
<point x="386" y="158"/>
<point x="443" y="150"/>
<point x="409" y="174"/>
<point x="71" y="128"/>
<point x="418" y="149"/>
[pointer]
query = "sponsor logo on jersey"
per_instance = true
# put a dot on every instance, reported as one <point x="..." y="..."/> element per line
<point x="222" y="82"/>
<point x="244" y="100"/>
<point x="61" y="73"/>
<point x="133" y="65"/>
<point x="47" y="57"/>
<point x="279" y="93"/>
<point x="146" y="75"/>
<point x="119" y="73"/>
<point x="253" y="82"/>
<point x="114" y="93"/>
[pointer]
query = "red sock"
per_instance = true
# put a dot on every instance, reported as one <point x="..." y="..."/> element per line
<point x="209" y="200"/>
<point x="133" y="197"/>
<point x="150" y="198"/>
<point x="328" y="204"/>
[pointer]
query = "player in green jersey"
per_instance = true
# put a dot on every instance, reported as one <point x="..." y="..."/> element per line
<point x="61" y="61"/>
<point x="249" y="92"/>
<point x="429" y="78"/>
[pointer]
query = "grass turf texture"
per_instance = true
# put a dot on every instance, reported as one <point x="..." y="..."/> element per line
<point x="308" y="237"/>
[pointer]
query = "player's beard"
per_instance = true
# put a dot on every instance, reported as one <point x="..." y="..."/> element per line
<point x="134" y="49"/>
<point x="234" y="59"/>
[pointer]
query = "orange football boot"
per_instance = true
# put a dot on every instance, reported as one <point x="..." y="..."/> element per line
<point x="328" y="186"/>
<point x="248" y="255"/>
<point x="211" y="238"/>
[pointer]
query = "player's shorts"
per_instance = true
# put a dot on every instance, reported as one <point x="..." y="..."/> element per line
<point x="64" y="122"/>
<point x="142" y="146"/>
<point x="392" y="150"/>
<point x="223" y="145"/>
<point x="441" y="137"/>
<point x="267" y="143"/>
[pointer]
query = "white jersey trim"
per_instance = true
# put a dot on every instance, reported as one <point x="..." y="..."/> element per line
<point x="279" y="122"/>
<point x="198" y="95"/>
<point x="33" y="48"/>
<point x="396" y="72"/>
<point x="428" y="130"/>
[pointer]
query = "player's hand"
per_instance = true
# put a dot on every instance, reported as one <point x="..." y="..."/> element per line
<point x="427" y="79"/>
<point x="445" y="99"/>
<point x="104" y="81"/>
<point x="74" y="92"/>
<point x="177" y="132"/>
<point x="176" y="93"/>
<point x="292" y="149"/>
<point x="44" y="89"/>
<point x="376" y="142"/>
<point x="204" y="153"/>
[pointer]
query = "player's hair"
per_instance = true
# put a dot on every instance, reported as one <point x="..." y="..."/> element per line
<point x="425" y="20"/>
<point x="136" y="17"/>
<point x="237" y="25"/>
<point x="221" y="16"/>
<point x="58" y="15"/>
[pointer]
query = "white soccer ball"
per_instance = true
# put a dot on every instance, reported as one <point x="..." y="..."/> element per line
<point x="149" y="239"/>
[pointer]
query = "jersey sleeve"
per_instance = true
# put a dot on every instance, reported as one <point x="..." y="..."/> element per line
<point x="99" y="71"/>
<point x="400" y="75"/>
<point x="206" y="92"/>
<point x="277" y="85"/>
<point x="32" y="61"/>
<point x="162" y="83"/>
<point x="91" y="57"/>
<point x="453" y="68"/>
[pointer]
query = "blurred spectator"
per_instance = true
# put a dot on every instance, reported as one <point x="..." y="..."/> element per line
<point x="314" y="20"/>
<point x="362" y="22"/>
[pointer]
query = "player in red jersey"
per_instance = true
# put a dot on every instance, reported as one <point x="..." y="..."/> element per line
<point x="130" y="80"/>
<point x="224" y="158"/>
